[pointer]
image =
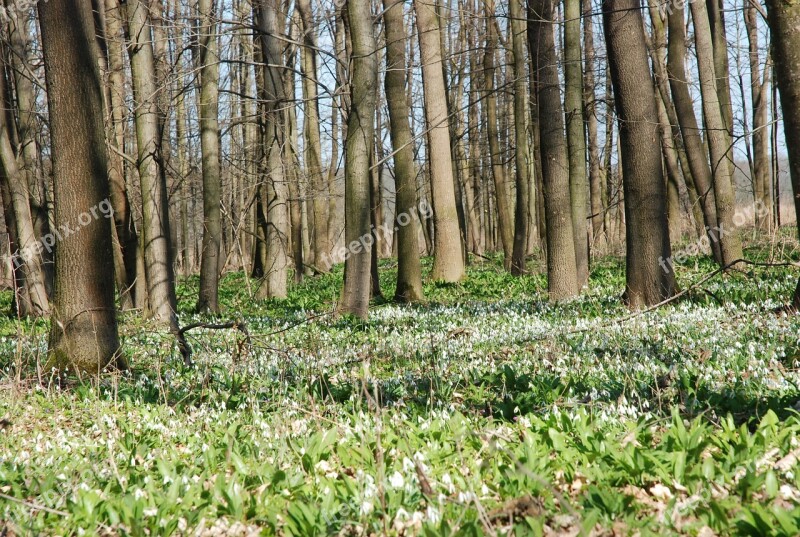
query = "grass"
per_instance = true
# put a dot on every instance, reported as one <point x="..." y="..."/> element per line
<point x="485" y="411"/>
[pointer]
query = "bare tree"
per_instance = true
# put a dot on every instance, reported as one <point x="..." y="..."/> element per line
<point x="519" y="35"/>
<point x="784" y="20"/>
<point x="313" y="145"/>
<point x="562" y="276"/>
<point x="359" y="237"/>
<point x="504" y="220"/>
<point x="576" y="141"/>
<point x="409" y="272"/>
<point x="127" y="239"/>
<point x="208" y="111"/>
<point x="83" y="334"/>
<point x="692" y="141"/>
<point x="158" y="270"/>
<point x="448" y="265"/>
<point x="273" y="189"/>
<point x="759" y="89"/>
<point x="648" y="269"/>
<point x="717" y="136"/>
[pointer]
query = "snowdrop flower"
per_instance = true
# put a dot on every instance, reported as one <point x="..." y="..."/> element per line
<point x="396" y="480"/>
<point x="366" y="507"/>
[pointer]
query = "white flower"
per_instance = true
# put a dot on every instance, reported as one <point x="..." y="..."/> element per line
<point x="433" y="514"/>
<point x="396" y="480"/>
<point x="366" y="507"/>
<point x="151" y="512"/>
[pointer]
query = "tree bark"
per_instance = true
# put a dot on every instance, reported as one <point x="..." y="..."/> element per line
<point x="495" y="154"/>
<point x="125" y="251"/>
<point x="313" y="146"/>
<point x="519" y="37"/>
<point x="161" y="299"/>
<point x="648" y="269"/>
<point x="409" y="271"/>
<point x="693" y="143"/>
<point x="273" y="195"/>
<point x="717" y="135"/>
<point x="590" y="111"/>
<point x="208" y="112"/>
<point x="784" y="23"/>
<point x="448" y="264"/>
<point x="83" y="334"/>
<point x="358" y="151"/>
<point x="562" y="276"/>
<point x="31" y="294"/>
<point x="576" y="141"/>
<point x="760" y="133"/>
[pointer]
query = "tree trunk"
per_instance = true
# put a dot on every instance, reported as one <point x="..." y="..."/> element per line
<point x="83" y="334"/>
<point x="576" y="141"/>
<point x="648" y="270"/>
<point x="672" y="140"/>
<point x="125" y="251"/>
<point x="692" y="142"/>
<point x="522" y="156"/>
<point x="208" y="112"/>
<point x="760" y="134"/>
<point x="155" y="214"/>
<point x="273" y="190"/>
<point x="27" y="129"/>
<point x="313" y="145"/>
<point x="784" y="23"/>
<point x="590" y="111"/>
<point x="717" y="135"/>
<point x="409" y="271"/>
<point x="495" y="154"/>
<point x="358" y="151"/>
<point x="719" y="42"/>
<point x="448" y="264"/>
<point x="31" y="294"/>
<point x="562" y="276"/>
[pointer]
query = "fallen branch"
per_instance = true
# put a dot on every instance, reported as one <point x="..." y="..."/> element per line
<point x="186" y="350"/>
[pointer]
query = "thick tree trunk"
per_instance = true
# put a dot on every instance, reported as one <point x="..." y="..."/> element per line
<point x="208" y="111"/>
<point x="784" y="23"/>
<point x="717" y="136"/>
<point x="83" y="334"/>
<point x="649" y="274"/>
<point x="519" y="37"/>
<point x="576" y="141"/>
<point x="273" y="189"/>
<point x="448" y="264"/>
<point x="358" y="150"/>
<point x="562" y="276"/>
<point x="409" y="271"/>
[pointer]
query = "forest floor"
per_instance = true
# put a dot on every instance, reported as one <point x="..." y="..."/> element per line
<point x="485" y="411"/>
